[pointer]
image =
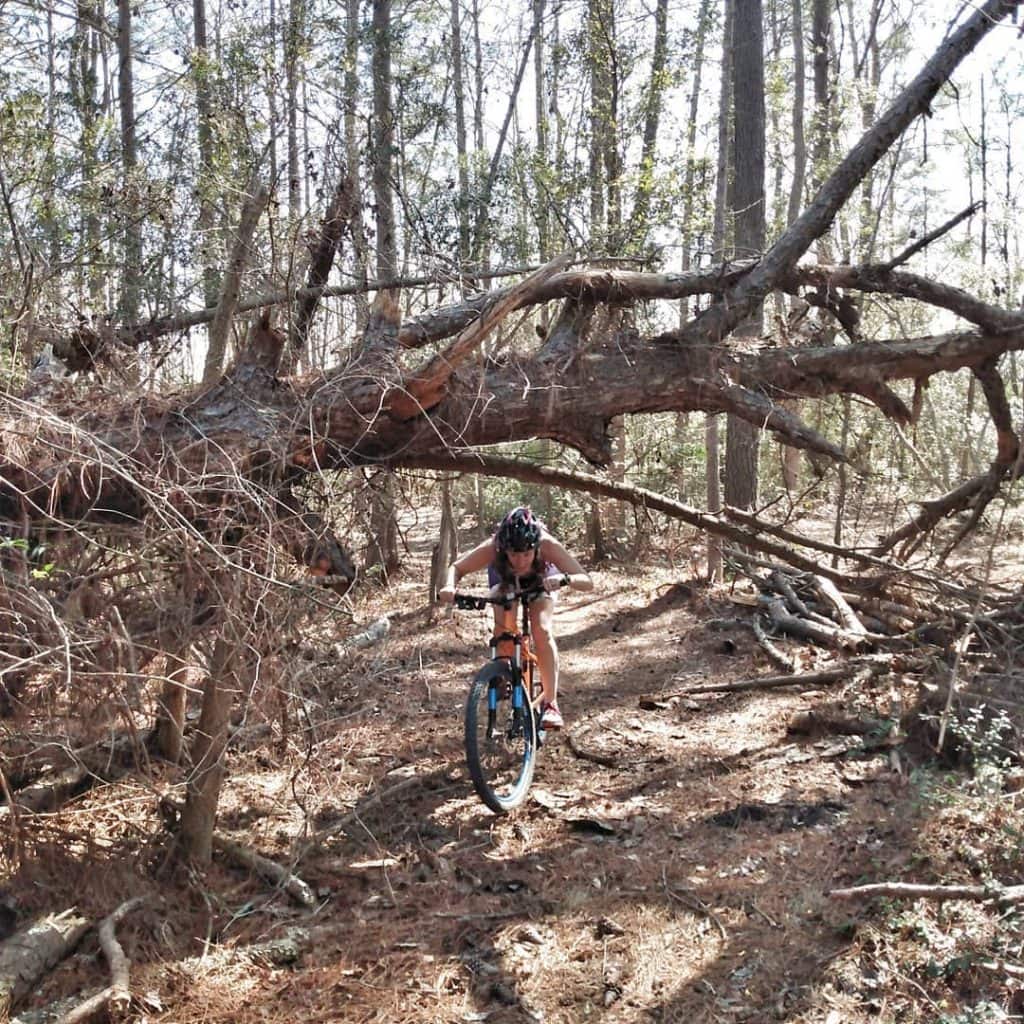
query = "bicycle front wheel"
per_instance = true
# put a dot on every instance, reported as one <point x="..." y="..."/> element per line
<point x="501" y="742"/>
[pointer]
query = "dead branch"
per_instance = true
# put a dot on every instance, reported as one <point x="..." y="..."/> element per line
<point x="116" y="998"/>
<point x="519" y="469"/>
<point x="281" y="877"/>
<point x="778" y="580"/>
<point x="739" y="301"/>
<point x="827" y="636"/>
<point x="336" y="218"/>
<point x="424" y="389"/>
<point x="256" y="199"/>
<point x="32" y="952"/>
<point x="847" y="616"/>
<point x="689" y="899"/>
<point x="774" y="654"/>
<point x="373" y="634"/>
<point x="51" y="792"/>
<point x="1000" y="894"/>
<point x="870" y="665"/>
<point x="930" y="237"/>
<point x="808" y="723"/>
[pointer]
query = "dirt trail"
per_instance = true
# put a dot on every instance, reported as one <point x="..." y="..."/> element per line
<point x="670" y="865"/>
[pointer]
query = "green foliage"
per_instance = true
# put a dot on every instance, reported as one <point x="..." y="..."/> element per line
<point x="984" y="733"/>
<point x="40" y="570"/>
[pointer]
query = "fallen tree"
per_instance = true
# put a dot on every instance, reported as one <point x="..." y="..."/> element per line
<point x="198" y="503"/>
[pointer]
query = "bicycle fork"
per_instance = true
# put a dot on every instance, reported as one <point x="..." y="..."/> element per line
<point x="500" y="649"/>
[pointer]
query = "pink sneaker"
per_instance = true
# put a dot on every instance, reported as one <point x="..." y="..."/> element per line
<point x="551" y="717"/>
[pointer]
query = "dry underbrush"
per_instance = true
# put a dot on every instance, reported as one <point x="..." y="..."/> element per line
<point x="673" y="865"/>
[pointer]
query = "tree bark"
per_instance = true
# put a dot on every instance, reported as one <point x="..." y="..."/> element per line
<point x="131" y="277"/>
<point x="228" y="668"/>
<point x="29" y="954"/>
<point x="742" y="436"/>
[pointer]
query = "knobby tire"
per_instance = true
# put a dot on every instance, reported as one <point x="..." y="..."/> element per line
<point x="501" y="766"/>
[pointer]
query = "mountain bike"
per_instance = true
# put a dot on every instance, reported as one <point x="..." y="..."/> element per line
<point x="503" y="731"/>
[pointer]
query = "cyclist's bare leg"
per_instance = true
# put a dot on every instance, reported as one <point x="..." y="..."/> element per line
<point x="504" y="620"/>
<point x="544" y="646"/>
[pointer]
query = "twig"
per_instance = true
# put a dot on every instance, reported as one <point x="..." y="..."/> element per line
<point x="873" y="665"/>
<point x="930" y="237"/>
<point x="1003" y="895"/>
<point x="693" y="902"/>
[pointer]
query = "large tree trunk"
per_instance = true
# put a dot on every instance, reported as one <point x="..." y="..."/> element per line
<point x="131" y="275"/>
<point x="721" y="236"/>
<point x="206" y="221"/>
<point x="360" y="257"/>
<point x="27" y="956"/>
<point x="742" y="436"/>
<point x="463" y="200"/>
<point x="790" y="455"/>
<point x="383" y="545"/>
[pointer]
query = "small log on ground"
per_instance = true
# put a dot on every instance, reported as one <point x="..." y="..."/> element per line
<point x="52" y="791"/>
<point x="807" y="723"/>
<point x="779" y="581"/>
<point x="89" y="1009"/>
<point x="242" y="856"/>
<point x="281" y="877"/>
<point x="1005" y="896"/>
<point x="774" y="654"/>
<point x="828" y="636"/>
<point x="30" y="953"/>
<point x="373" y="634"/>
<point x="115" y="1000"/>
<point x="120" y="986"/>
<point x="847" y="616"/>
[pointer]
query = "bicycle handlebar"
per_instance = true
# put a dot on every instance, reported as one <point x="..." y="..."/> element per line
<point x="475" y="602"/>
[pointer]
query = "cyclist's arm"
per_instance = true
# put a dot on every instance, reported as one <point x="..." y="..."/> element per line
<point x="554" y="551"/>
<point x="472" y="561"/>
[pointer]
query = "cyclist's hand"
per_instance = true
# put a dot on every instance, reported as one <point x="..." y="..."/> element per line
<point x="446" y="595"/>
<point x="553" y="583"/>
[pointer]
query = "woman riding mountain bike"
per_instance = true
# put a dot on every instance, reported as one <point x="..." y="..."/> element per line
<point x="521" y="555"/>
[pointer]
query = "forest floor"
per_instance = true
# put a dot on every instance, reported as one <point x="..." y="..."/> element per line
<point x="672" y="863"/>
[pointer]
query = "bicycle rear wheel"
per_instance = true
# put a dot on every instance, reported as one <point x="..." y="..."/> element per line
<point x="501" y="742"/>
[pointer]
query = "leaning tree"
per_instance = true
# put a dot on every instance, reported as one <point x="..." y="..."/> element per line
<point x="194" y="501"/>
